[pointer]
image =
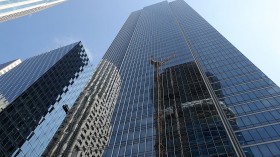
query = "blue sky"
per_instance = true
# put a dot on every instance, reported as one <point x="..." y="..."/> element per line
<point x="253" y="26"/>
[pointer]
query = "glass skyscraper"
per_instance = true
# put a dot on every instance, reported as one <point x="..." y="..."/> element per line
<point x="35" y="97"/>
<point x="11" y="9"/>
<point x="208" y="100"/>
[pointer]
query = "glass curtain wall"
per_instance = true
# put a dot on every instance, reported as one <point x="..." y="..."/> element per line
<point x="213" y="101"/>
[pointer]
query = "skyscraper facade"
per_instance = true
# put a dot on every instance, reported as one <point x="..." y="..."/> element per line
<point x="11" y="9"/>
<point x="37" y="94"/>
<point x="86" y="129"/>
<point x="208" y="100"/>
<point x="5" y="67"/>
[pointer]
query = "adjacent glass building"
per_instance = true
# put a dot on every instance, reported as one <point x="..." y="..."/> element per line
<point x="34" y="94"/>
<point x="11" y="9"/>
<point x="209" y="100"/>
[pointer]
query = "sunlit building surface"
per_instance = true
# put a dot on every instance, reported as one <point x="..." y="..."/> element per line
<point x="34" y="93"/>
<point x="85" y="130"/>
<point x="11" y="9"/>
<point x="209" y="100"/>
<point x="5" y="67"/>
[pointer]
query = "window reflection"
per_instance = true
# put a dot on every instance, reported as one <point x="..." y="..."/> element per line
<point x="190" y="124"/>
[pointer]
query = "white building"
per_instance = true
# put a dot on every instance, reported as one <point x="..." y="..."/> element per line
<point x="5" y="67"/>
<point x="11" y="9"/>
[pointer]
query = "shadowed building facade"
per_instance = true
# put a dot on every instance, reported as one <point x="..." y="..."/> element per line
<point x="35" y="92"/>
<point x="225" y="105"/>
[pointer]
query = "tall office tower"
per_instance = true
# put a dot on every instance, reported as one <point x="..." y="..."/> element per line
<point x="11" y="9"/>
<point x="37" y="94"/>
<point x="85" y="130"/>
<point x="209" y="100"/>
<point x="5" y="67"/>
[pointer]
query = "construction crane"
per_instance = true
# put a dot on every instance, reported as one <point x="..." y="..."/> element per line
<point x="158" y="113"/>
